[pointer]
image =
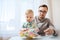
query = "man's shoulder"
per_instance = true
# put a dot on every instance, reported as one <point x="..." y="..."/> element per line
<point x="36" y="17"/>
<point x="47" y="19"/>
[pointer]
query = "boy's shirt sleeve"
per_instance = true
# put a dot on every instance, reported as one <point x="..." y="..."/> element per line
<point x="25" y="25"/>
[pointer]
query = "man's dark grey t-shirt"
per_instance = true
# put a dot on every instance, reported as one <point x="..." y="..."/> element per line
<point x="43" y="22"/>
<point x="43" y="25"/>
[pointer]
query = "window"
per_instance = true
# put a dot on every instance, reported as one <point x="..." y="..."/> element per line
<point x="12" y="14"/>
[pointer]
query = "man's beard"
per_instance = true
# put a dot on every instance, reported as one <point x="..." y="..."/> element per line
<point x="42" y="17"/>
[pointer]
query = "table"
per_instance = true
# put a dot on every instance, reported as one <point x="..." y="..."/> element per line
<point x="37" y="38"/>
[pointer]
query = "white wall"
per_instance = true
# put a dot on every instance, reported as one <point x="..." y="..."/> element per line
<point x="12" y="14"/>
<point x="56" y="13"/>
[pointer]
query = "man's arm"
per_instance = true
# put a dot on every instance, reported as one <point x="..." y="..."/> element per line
<point x="51" y="30"/>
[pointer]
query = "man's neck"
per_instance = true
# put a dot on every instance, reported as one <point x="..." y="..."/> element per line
<point x="40" y="18"/>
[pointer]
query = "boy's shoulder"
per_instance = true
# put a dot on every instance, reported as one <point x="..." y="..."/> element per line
<point x="24" y="24"/>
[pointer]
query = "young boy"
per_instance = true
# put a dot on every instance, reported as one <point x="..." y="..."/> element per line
<point x="30" y="23"/>
<point x="29" y="26"/>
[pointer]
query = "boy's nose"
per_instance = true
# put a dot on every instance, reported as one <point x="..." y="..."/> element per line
<point x="28" y="18"/>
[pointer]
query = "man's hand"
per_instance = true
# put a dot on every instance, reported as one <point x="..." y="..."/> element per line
<point x="49" y="31"/>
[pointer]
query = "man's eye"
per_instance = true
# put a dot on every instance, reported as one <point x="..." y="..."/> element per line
<point x="40" y="10"/>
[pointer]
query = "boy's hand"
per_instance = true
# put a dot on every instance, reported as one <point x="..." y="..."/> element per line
<point x="24" y="29"/>
<point x="31" y="34"/>
<point x="21" y="33"/>
<point x="37" y="29"/>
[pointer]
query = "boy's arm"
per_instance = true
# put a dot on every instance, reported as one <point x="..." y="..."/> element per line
<point x="24" y="25"/>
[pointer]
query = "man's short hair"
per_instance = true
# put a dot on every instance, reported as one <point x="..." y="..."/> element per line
<point x="43" y="6"/>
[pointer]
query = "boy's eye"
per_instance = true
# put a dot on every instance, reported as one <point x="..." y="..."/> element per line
<point x="30" y="17"/>
<point x="27" y="17"/>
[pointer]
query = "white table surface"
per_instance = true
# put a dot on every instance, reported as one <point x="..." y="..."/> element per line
<point x="37" y="38"/>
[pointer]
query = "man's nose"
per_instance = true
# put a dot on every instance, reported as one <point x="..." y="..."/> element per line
<point x="41" y="13"/>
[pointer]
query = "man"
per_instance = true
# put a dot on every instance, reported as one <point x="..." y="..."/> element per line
<point x="44" y="24"/>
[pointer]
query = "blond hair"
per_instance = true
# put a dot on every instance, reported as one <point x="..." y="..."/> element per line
<point x="29" y="11"/>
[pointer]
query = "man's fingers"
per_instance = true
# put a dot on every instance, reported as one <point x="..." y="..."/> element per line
<point x="49" y="31"/>
<point x="46" y="30"/>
